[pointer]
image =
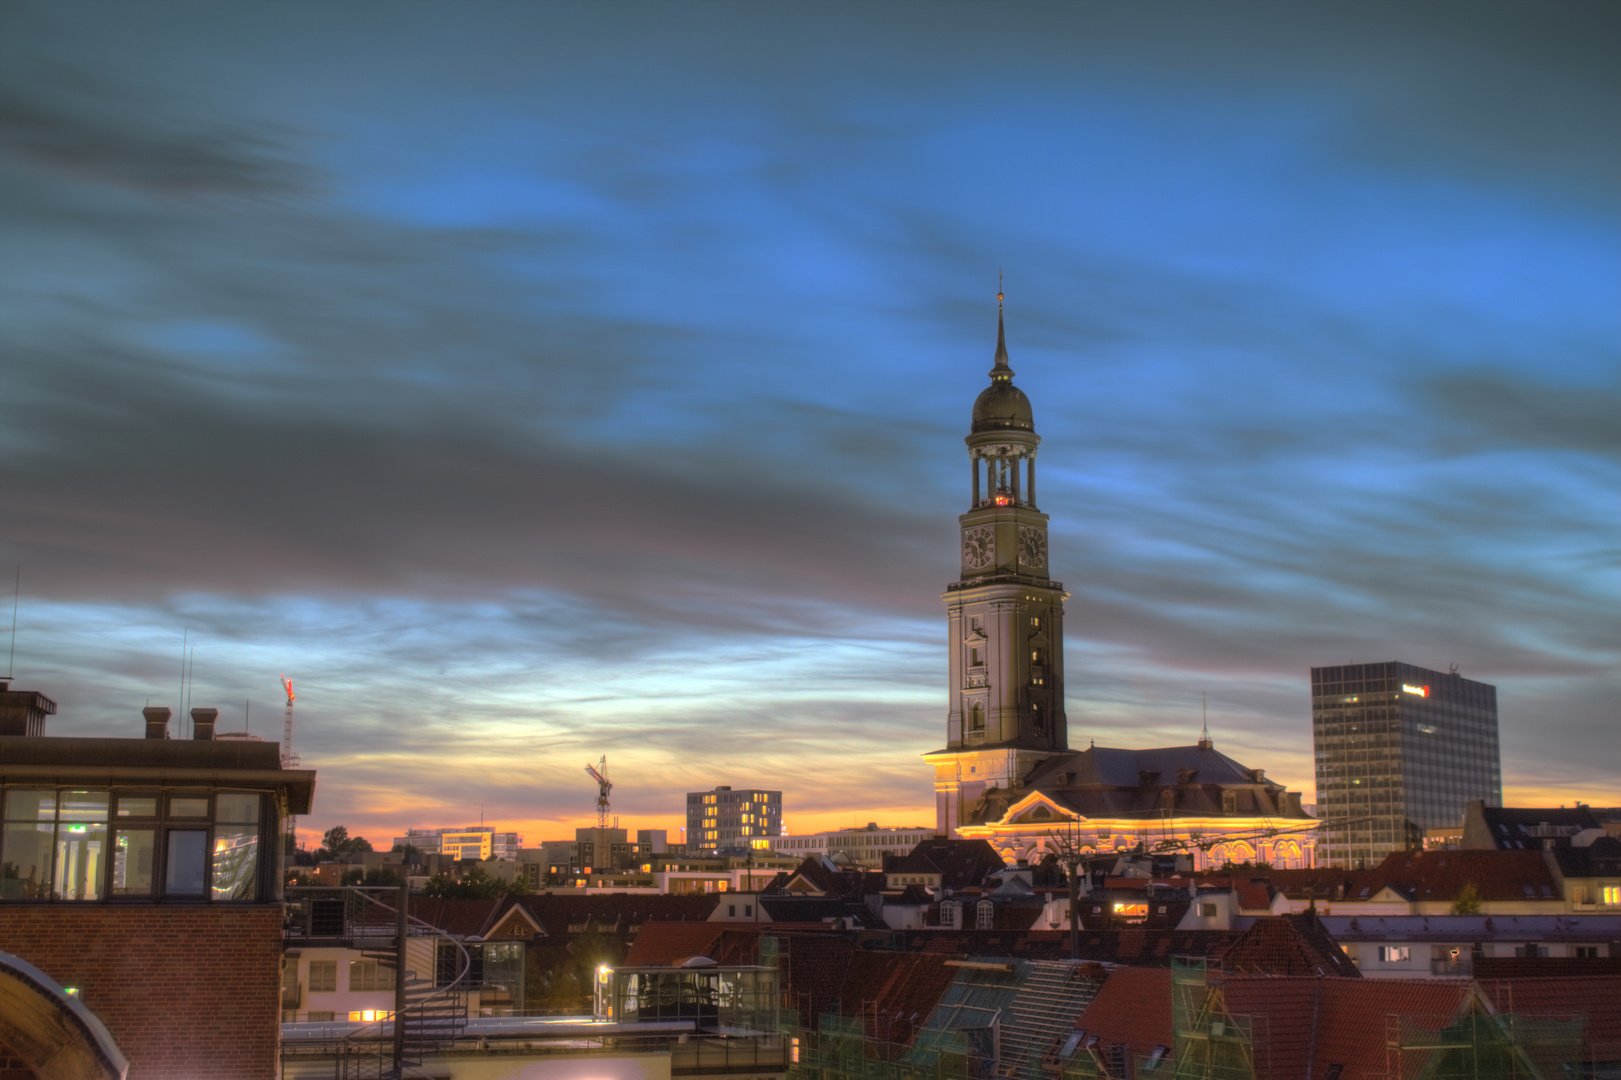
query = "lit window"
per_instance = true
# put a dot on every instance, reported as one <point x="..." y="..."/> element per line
<point x="1611" y="894"/>
<point x="1395" y="954"/>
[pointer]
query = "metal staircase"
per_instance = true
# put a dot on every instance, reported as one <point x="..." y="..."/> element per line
<point x="434" y="1012"/>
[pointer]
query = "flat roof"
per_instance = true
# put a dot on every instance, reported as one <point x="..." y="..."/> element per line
<point x="178" y="762"/>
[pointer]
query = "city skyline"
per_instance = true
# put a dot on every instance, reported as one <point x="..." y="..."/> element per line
<point x="534" y="384"/>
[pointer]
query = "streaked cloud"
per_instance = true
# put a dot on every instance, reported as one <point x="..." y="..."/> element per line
<point x="535" y="384"/>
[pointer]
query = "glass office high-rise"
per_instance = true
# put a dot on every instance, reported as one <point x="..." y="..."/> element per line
<point x="1400" y="749"/>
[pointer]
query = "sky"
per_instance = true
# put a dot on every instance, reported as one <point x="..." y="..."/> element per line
<point x="533" y="383"/>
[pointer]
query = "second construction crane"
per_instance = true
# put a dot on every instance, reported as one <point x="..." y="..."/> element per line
<point x="599" y="773"/>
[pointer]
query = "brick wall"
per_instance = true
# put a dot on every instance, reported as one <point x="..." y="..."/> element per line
<point x="186" y="992"/>
<point x="12" y="1067"/>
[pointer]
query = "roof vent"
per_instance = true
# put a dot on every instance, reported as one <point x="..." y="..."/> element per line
<point x="157" y="721"/>
<point x="202" y="723"/>
<point x="23" y="712"/>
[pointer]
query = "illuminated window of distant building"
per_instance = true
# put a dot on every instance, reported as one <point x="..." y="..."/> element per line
<point x="1395" y="954"/>
<point x="1610" y="894"/>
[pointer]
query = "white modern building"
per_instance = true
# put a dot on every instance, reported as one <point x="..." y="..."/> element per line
<point x="865" y="846"/>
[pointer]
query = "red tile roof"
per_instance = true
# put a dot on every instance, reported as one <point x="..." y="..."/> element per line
<point x="557" y="913"/>
<point x="1288" y="945"/>
<point x="1329" y="1022"/>
<point x="463" y="918"/>
<point x="893" y="994"/>
<point x="812" y="967"/>
<point x="672" y="942"/>
<point x="1292" y="1021"/>
<point x="1597" y="997"/>
<point x="1133" y="1009"/>
<point x="1442" y="874"/>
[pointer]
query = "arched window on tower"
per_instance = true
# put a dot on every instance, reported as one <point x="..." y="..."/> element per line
<point x="976" y="716"/>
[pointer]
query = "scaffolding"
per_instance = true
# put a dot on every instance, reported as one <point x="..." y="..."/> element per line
<point x="991" y="1025"/>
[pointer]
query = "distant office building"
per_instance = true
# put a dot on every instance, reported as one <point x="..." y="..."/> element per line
<point x="467" y="842"/>
<point x="865" y="846"/>
<point x="723" y="818"/>
<point x="1400" y="750"/>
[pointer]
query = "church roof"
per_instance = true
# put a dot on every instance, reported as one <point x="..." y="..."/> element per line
<point x="1110" y="767"/>
<point x="1104" y="782"/>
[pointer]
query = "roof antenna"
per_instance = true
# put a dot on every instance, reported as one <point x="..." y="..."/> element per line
<point x="1204" y="734"/>
<point x="16" y="595"/>
<point x="184" y="633"/>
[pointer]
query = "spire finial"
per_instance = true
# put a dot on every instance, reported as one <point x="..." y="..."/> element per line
<point x="1204" y="734"/>
<point x="1001" y="370"/>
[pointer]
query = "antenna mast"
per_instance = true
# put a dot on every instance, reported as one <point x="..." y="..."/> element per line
<point x="288" y="758"/>
<point x="599" y="773"/>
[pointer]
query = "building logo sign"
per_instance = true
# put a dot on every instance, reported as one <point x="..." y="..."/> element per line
<point x="1421" y="691"/>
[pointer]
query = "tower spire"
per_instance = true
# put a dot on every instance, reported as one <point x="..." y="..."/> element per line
<point x="1204" y="734"/>
<point x="1001" y="370"/>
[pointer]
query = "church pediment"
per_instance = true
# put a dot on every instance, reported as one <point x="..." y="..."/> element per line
<point x="1037" y="809"/>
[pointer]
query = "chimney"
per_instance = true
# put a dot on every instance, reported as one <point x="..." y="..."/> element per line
<point x="202" y="723"/>
<point x="157" y="721"/>
<point x="23" y="712"/>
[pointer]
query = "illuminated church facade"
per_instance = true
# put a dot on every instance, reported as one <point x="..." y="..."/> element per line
<point x="1006" y="773"/>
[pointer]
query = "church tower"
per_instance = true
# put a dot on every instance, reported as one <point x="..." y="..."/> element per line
<point x="1005" y="616"/>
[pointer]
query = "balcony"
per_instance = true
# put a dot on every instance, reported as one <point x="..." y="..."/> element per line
<point x="1455" y="969"/>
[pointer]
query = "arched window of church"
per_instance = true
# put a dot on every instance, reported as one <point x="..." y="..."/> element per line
<point x="1287" y="855"/>
<point x="976" y="717"/>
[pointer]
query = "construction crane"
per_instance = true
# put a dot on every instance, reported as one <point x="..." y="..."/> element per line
<point x="288" y="758"/>
<point x="599" y="773"/>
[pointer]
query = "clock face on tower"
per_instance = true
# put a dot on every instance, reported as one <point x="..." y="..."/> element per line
<point x="978" y="547"/>
<point x="1032" y="546"/>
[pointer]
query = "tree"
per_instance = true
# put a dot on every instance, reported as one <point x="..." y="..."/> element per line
<point x="476" y="884"/>
<point x="336" y="843"/>
<point x="1467" y="901"/>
